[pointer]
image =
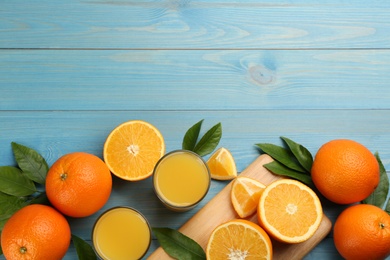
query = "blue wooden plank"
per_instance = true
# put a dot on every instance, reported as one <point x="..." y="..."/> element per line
<point x="194" y="24"/>
<point x="194" y="79"/>
<point x="55" y="133"/>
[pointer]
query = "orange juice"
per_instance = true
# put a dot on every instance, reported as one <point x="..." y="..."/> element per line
<point x="121" y="233"/>
<point x="181" y="180"/>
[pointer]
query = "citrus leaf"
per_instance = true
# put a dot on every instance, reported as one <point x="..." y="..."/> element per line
<point x="2" y="223"/>
<point x="279" y="169"/>
<point x="282" y="155"/>
<point x="379" y="196"/>
<point x="14" y="182"/>
<point x="300" y="152"/>
<point x="83" y="249"/>
<point x="9" y="205"/>
<point x="178" y="245"/>
<point x="191" y="136"/>
<point x="40" y="199"/>
<point x="30" y="162"/>
<point x="387" y="208"/>
<point x="209" y="141"/>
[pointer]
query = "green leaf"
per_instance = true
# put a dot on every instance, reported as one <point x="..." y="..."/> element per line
<point x="40" y="199"/>
<point x="209" y="141"/>
<point x="83" y="249"/>
<point x="1" y="250"/>
<point x="2" y="223"/>
<point x="191" y="136"/>
<point x="9" y="205"/>
<point x="282" y="155"/>
<point x="13" y="182"/>
<point x="387" y="208"/>
<point x="379" y="196"/>
<point x="300" y="152"/>
<point x="279" y="169"/>
<point x="178" y="245"/>
<point x="31" y="162"/>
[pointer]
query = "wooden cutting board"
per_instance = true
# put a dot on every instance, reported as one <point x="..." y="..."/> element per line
<point x="219" y="210"/>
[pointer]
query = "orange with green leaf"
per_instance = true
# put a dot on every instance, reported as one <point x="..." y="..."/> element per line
<point x="345" y="171"/>
<point x="22" y="193"/>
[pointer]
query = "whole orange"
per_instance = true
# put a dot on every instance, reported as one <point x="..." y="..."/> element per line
<point x="362" y="232"/>
<point x="36" y="232"/>
<point x="345" y="171"/>
<point x="78" y="184"/>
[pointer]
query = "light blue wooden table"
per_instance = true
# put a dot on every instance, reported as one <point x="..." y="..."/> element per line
<point x="70" y="71"/>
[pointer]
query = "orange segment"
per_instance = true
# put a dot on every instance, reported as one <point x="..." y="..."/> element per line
<point x="245" y="195"/>
<point x="132" y="149"/>
<point x="289" y="211"/>
<point x="239" y="239"/>
<point x="222" y="165"/>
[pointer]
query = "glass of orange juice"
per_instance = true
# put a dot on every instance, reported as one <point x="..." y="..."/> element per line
<point x="181" y="179"/>
<point x="121" y="233"/>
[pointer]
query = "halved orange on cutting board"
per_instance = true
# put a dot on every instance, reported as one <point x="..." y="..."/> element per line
<point x="222" y="165"/>
<point x="132" y="150"/>
<point x="289" y="211"/>
<point x="239" y="239"/>
<point x="245" y="195"/>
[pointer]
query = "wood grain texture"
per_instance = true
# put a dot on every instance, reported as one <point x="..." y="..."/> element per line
<point x="54" y="133"/>
<point x="70" y="71"/>
<point x="219" y="210"/>
<point x="194" y="79"/>
<point x="186" y="24"/>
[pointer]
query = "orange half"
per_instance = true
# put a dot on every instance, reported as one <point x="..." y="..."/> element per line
<point x="289" y="211"/>
<point x="132" y="150"/>
<point x="239" y="239"/>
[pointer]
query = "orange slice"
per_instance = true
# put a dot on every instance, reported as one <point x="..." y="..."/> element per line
<point x="245" y="195"/>
<point x="132" y="150"/>
<point x="239" y="239"/>
<point x="289" y="211"/>
<point x="222" y="165"/>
